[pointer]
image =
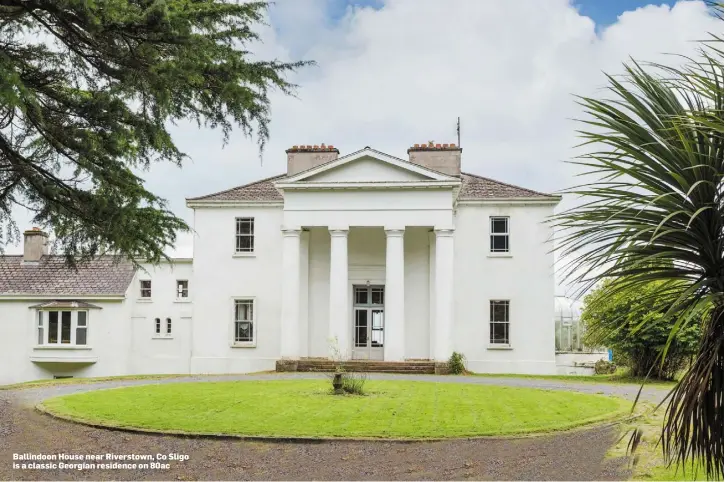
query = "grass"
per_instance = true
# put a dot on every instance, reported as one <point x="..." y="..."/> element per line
<point x="650" y="463"/>
<point x="620" y="377"/>
<point x="305" y="408"/>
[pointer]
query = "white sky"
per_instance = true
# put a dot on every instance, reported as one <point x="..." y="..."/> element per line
<point x="402" y="74"/>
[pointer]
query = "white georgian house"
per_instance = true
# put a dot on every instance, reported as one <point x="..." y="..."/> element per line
<point x="395" y="259"/>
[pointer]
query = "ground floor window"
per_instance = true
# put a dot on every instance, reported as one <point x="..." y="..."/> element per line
<point x="62" y="327"/>
<point x="244" y="320"/>
<point x="499" y="323"/>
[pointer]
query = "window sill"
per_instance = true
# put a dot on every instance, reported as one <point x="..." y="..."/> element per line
<point x="162" y="337"/>
<point x="62" y="347"/>
<point x="144" y="300"/>
<point x="499" y="347"/>
<point x="182" y="301"/>
<point x="250" y="344"/>
<point x="244" y="255"/>
<point x="499" y="255"/>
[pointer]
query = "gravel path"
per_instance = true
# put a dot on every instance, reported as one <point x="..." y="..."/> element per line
<point x="573" y="455"/>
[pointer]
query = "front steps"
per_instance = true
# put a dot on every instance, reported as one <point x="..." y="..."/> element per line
<point x="411" y="367"/>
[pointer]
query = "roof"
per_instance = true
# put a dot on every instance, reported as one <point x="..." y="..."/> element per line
<point x="103" y="276"/>
<point x="474" y="187"/>
<point x="262" y="190"/>
<point x="480" y="188"/>
<point x="64" y="304"/>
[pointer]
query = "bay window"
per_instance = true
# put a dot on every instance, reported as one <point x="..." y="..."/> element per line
<point x="62" y="327"/>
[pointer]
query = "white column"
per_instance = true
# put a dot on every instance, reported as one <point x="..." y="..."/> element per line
<point x="444" y="293"/>
<point x="340" y="308"/>
<point x="431" y="294"/>
<point x="304" y="293"/>
<point x="290" y="326"/>
<point x="394" y="341"/>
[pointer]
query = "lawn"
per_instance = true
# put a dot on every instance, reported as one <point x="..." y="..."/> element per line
<point x="305" y="408"/>
<point x="620" y="377"/>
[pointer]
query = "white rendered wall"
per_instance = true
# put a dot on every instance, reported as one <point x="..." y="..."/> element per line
<point x="107" y="343"/>
<point x="220" y="276"/>
<point x="149" y="352"/>
<point x="525" y="278"/>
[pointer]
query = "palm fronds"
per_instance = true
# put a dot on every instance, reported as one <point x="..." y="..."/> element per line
<point x="655" y="213"/>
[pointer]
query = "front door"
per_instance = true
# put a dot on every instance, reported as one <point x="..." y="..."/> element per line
<point x="368" y="322"/>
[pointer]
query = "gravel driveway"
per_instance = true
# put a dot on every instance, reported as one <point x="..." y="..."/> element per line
<point x="573" y="455"/>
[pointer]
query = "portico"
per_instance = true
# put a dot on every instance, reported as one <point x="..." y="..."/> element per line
<point x="353" y="312"/>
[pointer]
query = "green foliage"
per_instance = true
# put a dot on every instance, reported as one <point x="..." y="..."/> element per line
<point x="633" y="324"/>
<point x="457" y="363"/>
<point x="87" y="92"/>
<point x="652" y="210"/>
<point x="354" y="383"/>
<point x="604" y="367"/>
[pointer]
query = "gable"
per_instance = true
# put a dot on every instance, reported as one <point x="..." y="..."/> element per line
<point x="367" y="169"/>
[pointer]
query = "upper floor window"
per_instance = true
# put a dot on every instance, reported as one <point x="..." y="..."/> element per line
<point x="499" y="323"/>
<point x="245" y="235"/>
<point x="63" y="327"/>
<point x="182" y="288"/>
<point x="145" y="288"/>
<point x="243" y="321"/>
<point x="500" y="234"/>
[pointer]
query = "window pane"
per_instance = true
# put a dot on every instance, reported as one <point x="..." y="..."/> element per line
<point x="245" y="243"/>
<point x="377" y="329"/>
<point x="361" y="296"/>
<point x="40" y="328"/>
<point x="499" y="311"/>
<point x="52" y="327"/>
<point x="378" y="297"/>
<point x="182" y="289"/>
<point x="243" y="331"/>
<point x="499" y="333"/>
<point x="145" y="288"/>
<point x="81" y="335"/>
<point x="244" y="310"/>
<point x="361" y="328"/>
<point x="499" y="243"/>
<point x="65" y="327"/>
<point x="82" y="318"/>
<point x="245" y="225"/>
<point x="499" y="225"/>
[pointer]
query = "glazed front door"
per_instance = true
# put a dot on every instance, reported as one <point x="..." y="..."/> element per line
<point x="368" y="322"/>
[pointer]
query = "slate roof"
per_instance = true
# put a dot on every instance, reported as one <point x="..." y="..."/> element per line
<point x="478" y="187"/>
<point x="473" y="188"/>
<point x="262" y="190"/>
<point x="106" y="275"/>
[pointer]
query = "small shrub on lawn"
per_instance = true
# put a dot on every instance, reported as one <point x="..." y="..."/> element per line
<point x="604" y="367"/>
<point x="457" y="363"/>
<point x="354" y="383"/>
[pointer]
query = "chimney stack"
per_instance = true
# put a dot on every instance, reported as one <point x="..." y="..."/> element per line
<point x="35" y="245"/>
<point x="444" y="158"/>
<point x="303" y="157"/>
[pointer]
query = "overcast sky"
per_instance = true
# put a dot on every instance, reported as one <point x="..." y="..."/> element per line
<point x="392" y="73"/>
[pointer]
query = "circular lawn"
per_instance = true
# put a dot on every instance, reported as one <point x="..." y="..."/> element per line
<point x="306" y="408"/>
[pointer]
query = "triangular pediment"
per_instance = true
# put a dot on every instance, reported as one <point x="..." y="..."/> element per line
<point x="367" y="169"/>
<point x="368" y="166"/>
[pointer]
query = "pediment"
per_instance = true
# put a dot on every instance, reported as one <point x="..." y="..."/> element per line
<point x="368" y="166"/>
<point x="367" y="169"/>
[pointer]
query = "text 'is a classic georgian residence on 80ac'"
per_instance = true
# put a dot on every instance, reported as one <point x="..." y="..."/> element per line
<point x="386" y="259"/>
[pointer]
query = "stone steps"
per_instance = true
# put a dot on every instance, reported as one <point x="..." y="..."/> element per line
<point x="370" y="366"/>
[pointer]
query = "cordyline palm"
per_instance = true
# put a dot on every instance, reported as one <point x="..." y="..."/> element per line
<point x="655" y="213"/>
